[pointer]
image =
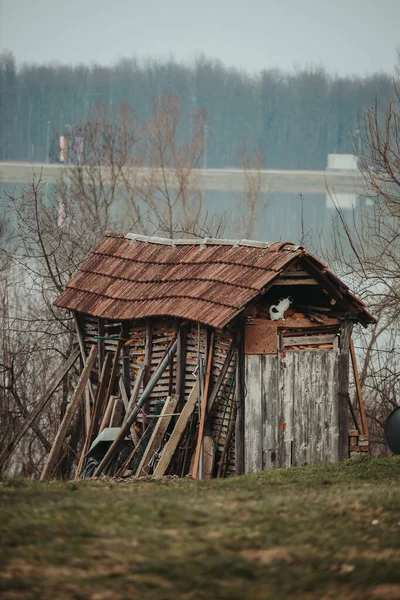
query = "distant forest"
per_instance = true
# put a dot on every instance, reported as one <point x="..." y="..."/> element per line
<point x="296" y="118"/>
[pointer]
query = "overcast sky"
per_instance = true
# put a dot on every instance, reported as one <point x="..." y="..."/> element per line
<point x="344" y="36"/>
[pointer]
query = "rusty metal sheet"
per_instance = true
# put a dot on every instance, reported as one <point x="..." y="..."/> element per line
<point x="261" y="337"/>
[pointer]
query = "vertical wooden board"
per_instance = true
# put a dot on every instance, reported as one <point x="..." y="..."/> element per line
<point x="321" y="385"/>
<point x="253" y="415"/>
<point x="270" y="411"/>
<point x="315" y="407"/>
<point x="299" y="414"/>
<point x="286" y="367"/>
<point x="311" y="366"/>
<point x="331" y="418"/>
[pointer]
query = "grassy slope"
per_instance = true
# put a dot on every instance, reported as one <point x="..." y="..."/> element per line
<point x="330" y="531"/>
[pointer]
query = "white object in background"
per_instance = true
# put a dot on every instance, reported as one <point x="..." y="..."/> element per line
<point x="343" y="201"/>
<point x="63" y="148"/>
<point x="342" y="162"/>
<point x="62" y="213"/>
<point x="277" y="311"/>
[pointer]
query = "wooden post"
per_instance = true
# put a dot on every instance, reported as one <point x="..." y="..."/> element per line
<point x="358" y="388"/>
<point x="58" y="377"/>
<point x="204" y="405"/>
<point x="117" y="443"/>
<point x="69" y="413"/>
<point x="147" y="353"/>
<point x="107" y="413"/>
<point x="181" y="366"/>
<point x="221" y="376"/>
<point x="345" y="338"/>
<point x="240" y="407"/>
<point x="126" y="369"/>
<point x="113" y="375"/>
<point x="229" y="433"/>
<point x="101" y="388"/>
<point x="100" y="344"/>
<point x="176" y="435"/>
<point x="136" y="389"/>
<point x="158" y="434"/>
<point x="89" y="393"/>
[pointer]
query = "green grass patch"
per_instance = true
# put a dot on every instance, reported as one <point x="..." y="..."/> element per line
<point x="328" y="531"/>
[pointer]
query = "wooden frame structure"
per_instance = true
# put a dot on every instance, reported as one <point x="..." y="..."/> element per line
<point x="180" y="354"/>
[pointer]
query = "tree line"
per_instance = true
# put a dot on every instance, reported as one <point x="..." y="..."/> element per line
<point x="294" y="119"/>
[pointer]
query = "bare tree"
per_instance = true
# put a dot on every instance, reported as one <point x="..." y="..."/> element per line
<point x="366" y="250"/>
<point x="118" y="168"/>
<point x="250" y="205"/>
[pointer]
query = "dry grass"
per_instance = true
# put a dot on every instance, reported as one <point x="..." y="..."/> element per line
<point x="330" y="531"/>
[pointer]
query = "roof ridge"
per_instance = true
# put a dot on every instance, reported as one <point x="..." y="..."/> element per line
<point x="137" y="237"/>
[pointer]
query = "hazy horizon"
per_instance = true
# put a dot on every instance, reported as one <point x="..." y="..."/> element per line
<point x="353" y="37"/>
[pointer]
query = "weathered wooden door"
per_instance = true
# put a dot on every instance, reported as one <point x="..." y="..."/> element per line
<point x="291" y="409"/>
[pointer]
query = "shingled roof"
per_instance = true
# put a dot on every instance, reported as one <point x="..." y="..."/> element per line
<point x="210" y="281"/>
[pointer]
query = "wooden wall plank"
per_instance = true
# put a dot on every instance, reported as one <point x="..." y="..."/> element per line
<point x="285" y="408"/>
<point x="270" y="411"/>
<point x="253" y="415"/>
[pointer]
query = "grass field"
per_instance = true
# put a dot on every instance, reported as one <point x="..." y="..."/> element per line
<point x="325" y="532"/>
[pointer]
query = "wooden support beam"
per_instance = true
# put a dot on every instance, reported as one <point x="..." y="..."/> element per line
<point x="113" y="375"/>
<point x="345" y="338"/>
<point x="240" y="406"/>
<point x="147" y="353"/>
<point x="115" y="419"/>
<point x="89" y="393"/>
<point x="294" y="281"/>
<point x="100" y="345"/>
<point x="176" y="435"/>
<point x="353" y="414"/>
<point x="327" y="285"/>
<point x="117" y="443"/>
<point x="158" y="433"/>
<point x="204" y="405"/>
<point x="222" y="374"/>
<point x="225" y="450"/>
<point x="68" y="416"/>
<point x="306" y="340"/>
<point x="107" y="413"/>
<point x="136" y="388"/>
<point x="56" y="380"/>
<point x="101" y="390"/>
<point x="126" y="368"/>
<point x="359" y="389"/>
<point x="181" y="366"/>
<point x="124" y="396"/>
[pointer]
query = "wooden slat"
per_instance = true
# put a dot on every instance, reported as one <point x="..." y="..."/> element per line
<point x="158" y="434"/>
<point x="101" y="389"/>
<point x="295" y="281"/>
<point x="56" y="380"/>
<point x="176" y="435"/>
<point x="270" y="412"/>
<point x="240" y="406"/>
<point x="107" y="413"/>
<point x="221" y="376"/>
<point x="305" y="340"/>
<point x="285" y="409"/>
<point x="253" y="415"/>
<point x="204" y="406"/>
<point x="68" y="416"/>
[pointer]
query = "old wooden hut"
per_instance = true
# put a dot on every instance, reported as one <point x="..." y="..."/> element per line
<point x="252" y="338"/>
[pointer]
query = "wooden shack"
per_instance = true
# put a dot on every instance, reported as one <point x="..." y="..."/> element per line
<point x="189" y="368"/>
